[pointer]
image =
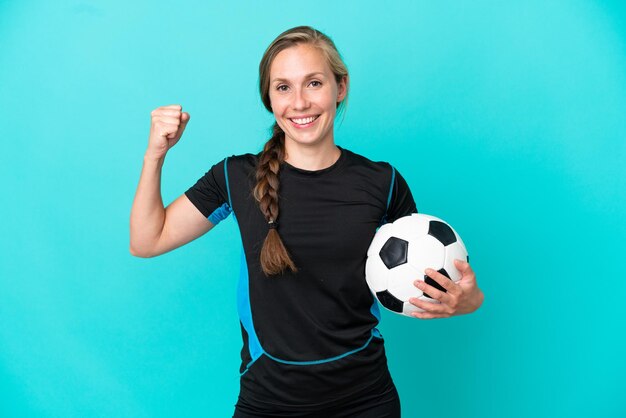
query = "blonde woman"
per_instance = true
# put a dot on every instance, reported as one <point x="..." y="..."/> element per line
<point x="307" y="210"/>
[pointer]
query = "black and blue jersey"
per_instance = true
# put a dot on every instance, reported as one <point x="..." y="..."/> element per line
<point x="309" y="338"/>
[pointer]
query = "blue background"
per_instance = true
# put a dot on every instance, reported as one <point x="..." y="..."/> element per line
<point x="506" y="118"/>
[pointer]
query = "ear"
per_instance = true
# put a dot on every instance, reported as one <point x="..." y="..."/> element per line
<point x="342" y="88"/>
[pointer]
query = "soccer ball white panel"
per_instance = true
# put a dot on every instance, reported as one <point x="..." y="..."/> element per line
<point x="376" y="273"/>
<point x="409" y="227"/>
<point x="399" y="282"/>
<point x="455" y="250"/>
<point x="409" y="307"/>
<point x="424" y="218"/>
<point x="460" y="242"/>
<point x="425" y="252"/>
<point x="382" y="235"/>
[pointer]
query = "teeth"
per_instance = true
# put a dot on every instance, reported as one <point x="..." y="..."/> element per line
<point x="304" y="121"/>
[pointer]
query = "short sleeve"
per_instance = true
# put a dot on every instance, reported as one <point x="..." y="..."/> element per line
<point x="210" y="193"/>
<point x="401" y="201"/>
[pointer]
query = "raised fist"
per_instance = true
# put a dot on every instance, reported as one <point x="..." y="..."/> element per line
<point x="166" y="128"/>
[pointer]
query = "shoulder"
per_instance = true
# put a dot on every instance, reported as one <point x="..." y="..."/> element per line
<point x="373" y="175"/>
<point x="365" y="164"/>
<point x="240" y="163"/>
<point x="241" y="159"/>
<point x="240" y="169"/>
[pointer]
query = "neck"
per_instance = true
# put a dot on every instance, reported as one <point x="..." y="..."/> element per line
<point x="313" y="157"/>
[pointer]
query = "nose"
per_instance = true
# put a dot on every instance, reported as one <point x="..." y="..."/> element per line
<point x="300" y="99"/>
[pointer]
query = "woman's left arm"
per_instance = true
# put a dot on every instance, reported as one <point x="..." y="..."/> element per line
<point x="460" y="298"/>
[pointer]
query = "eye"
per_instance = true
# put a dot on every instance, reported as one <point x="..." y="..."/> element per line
<point x="280" y="87"/>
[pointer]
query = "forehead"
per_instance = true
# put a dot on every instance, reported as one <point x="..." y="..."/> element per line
<point x="298" y="61"/>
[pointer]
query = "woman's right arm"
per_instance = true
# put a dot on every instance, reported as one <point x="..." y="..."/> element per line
<point x="155" y="230"/>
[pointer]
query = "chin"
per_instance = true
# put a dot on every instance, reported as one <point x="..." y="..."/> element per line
<point x="299" y="141"/>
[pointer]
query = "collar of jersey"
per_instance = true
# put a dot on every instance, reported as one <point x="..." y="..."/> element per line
<point x="317" y="173"/>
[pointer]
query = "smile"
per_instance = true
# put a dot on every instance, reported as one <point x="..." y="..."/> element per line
<point x="303" y="123"/>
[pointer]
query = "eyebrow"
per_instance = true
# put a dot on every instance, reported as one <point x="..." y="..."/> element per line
<point x="306" y="76"/>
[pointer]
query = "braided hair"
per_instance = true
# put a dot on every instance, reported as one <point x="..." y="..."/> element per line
<point x="274" y="256"/>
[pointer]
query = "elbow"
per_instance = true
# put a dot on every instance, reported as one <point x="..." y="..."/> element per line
<point x="139" y="248"/>
<point x="138" y="253"/>
<point x="134" y="252"/>
<point x="481" y="299"/>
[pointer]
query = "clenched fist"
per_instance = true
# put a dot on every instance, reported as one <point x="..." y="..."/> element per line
<point x="166" y="128"/>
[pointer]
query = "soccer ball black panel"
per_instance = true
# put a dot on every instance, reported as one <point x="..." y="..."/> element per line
<point x="442" y="232"/>
<point x="394" y="252"/>
<point x="389" y="301"/>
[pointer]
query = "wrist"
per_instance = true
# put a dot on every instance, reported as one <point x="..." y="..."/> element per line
<point x="153" y="159"/>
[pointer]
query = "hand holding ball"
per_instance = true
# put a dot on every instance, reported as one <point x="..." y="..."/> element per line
<point x="400" y="253"/>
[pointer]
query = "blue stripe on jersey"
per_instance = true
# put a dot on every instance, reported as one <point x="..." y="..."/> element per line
<point x="230" y="203"/>
<point x="393" y="178"/>
<point x="220" y="214"/>
<point x="308" y="363"/>
<point x="375" y="309"/>
<point x="243" y="295"/>
<point x="245" y="310"/>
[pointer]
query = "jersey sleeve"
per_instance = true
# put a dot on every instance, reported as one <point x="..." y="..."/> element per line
<point x="401" y="202"/>
<point x="210" y="194"/>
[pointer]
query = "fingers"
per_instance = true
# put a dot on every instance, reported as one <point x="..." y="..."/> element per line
<point x="446" y="299"/>
<point x="462" y="265"/>
<point x="447" y="294"/>
<point x="184" y="118"/>
<point x="165" y="112"/>
<point x="173" y="118"/>
<point x="429" y="307"/>
<point x="171" y="110"/>
<point x="169" y="120"/>
<point x="428" y="315"/>
<point x="166" y="128"/>
<point x="446" y="286"/>
<point x="465" y="269"/>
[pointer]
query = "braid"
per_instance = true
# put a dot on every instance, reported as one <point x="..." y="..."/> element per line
<point x="274" y="255"/>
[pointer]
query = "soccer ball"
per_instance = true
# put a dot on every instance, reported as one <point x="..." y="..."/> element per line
<point x="402" y="250"/>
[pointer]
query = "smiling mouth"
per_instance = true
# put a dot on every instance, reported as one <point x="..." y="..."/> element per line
<point x="304" y="121"/>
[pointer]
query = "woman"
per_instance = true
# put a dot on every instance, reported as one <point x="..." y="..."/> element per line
<point x="307" y="210"/>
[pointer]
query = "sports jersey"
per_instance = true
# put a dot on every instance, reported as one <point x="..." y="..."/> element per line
<point x="309" y="338"/>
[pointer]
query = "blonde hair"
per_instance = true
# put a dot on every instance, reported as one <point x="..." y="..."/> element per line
<point x="274" y="256"/>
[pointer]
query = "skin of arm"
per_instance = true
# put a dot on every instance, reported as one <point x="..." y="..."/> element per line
<point x="155" y="230"/>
